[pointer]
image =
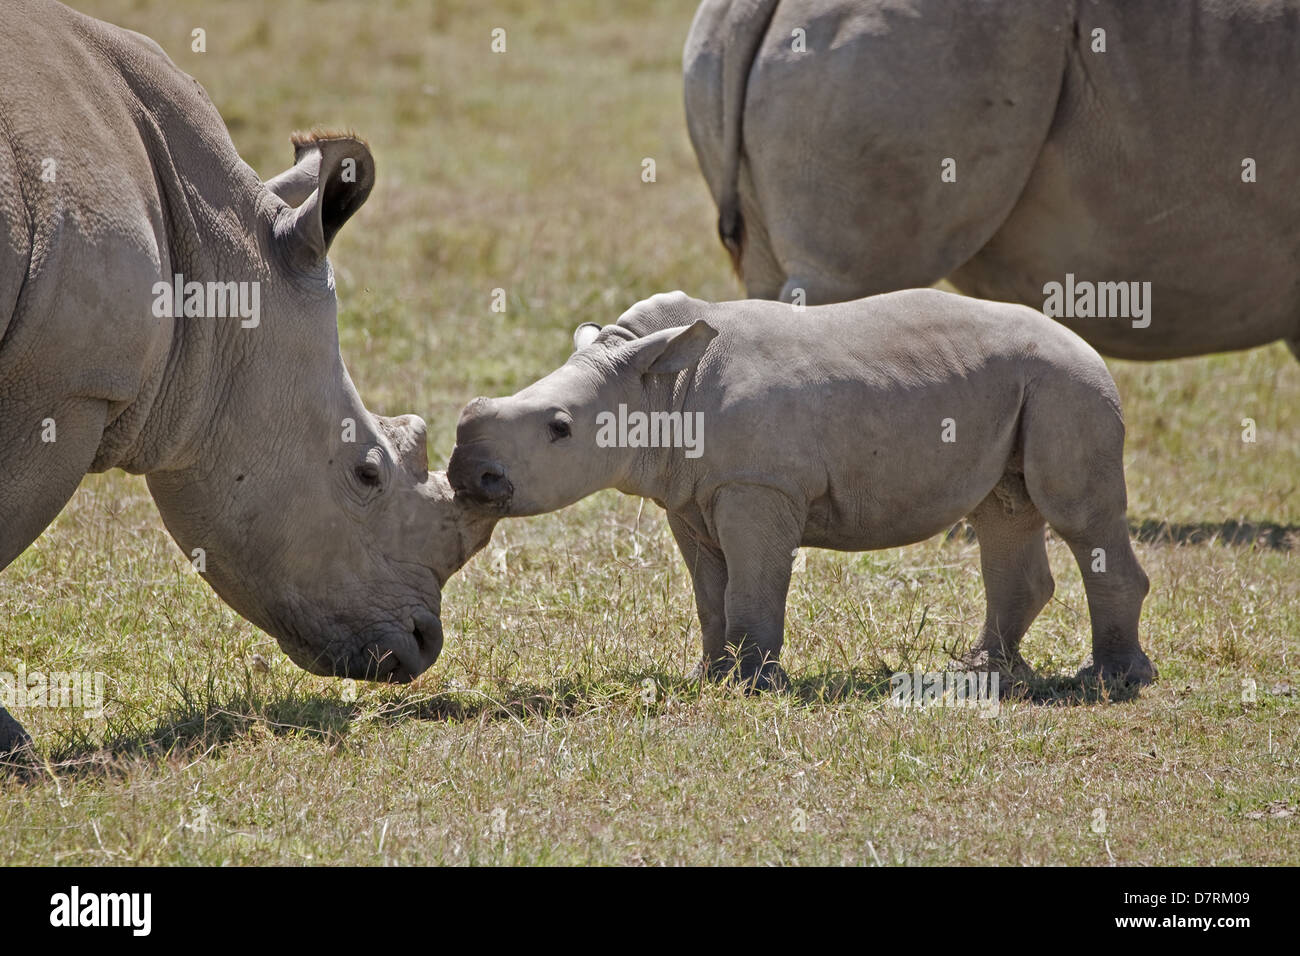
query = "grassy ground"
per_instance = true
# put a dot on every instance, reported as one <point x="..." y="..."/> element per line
<point x="558" y="725"/>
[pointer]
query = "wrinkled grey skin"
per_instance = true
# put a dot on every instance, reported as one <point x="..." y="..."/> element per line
<point x="827" y="432"/>
<point x="1117" y="166"/>
<point x="337" y="548"/>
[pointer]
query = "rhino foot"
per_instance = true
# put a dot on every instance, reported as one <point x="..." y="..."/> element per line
<point x="771" y="676"/>
<point x="1132" y="670"/>
<point x="1014" y="673"/>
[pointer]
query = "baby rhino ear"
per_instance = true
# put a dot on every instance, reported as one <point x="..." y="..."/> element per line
<point x="670" y="351"/>
<point x="584" y="335"/>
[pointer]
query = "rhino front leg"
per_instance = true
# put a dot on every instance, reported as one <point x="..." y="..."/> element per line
<point x="48" y="451"/>
<point x="708" y="572"/>
<point x="758" y="529"/>
<point x="15" y="743"/>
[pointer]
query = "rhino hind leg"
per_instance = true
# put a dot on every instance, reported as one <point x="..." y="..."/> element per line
<point x="1075" y="477"/>
<point x="1017" y="579"/>
<point x="1116" y="586"/>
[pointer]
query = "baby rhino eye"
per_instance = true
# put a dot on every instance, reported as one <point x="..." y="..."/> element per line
<point x="559" y="429"/>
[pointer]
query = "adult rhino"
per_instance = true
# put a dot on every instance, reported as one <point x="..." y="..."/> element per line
<point x="823" y="127"/>
<point x="317" y="520"/>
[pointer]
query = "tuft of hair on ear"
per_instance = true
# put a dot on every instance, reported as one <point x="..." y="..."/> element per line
<point x="339" y="171"/>
<point x="304" y="139"/>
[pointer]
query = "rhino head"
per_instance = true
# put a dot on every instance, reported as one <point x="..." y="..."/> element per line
<point x="315" y="519"/>
<point x="548" y="445"/>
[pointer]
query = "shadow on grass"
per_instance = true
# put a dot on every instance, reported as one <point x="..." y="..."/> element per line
<point x="189" y="731"/>
<point x="1268" y="535"/>
<point x="201" y="724"/>
<point x="193" y="730"/>
<point x="1062" y="691"/>
<point x="1237" y="534"/>
<point x="1053" y="690"/>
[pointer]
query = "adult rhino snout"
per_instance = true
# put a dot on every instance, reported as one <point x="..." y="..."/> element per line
<point x="403" y="659"/>
<point x="398" y="656"/>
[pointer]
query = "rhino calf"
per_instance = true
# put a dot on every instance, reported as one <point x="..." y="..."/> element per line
<point x="862" y="425"/>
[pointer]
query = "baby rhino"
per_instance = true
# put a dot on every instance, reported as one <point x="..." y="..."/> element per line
<point x="856" y="426"/>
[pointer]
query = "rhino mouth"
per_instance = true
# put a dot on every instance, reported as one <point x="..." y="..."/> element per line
<point x="396" y="654"/>
<point x="498" y="504"/>
<point x="400" y="660"/>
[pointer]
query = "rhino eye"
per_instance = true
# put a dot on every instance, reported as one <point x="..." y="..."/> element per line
<point x="368" y="473"/>
<point x="559" y="429"/>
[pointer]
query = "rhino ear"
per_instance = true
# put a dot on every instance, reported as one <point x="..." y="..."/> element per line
<point x="584" y="335"/>
<point x="330" y="180"/>
<point x="297" y="182"/>
<point x="670" y="351"/>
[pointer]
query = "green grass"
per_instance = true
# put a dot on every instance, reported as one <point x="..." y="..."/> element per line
<point x="534" y="738"/>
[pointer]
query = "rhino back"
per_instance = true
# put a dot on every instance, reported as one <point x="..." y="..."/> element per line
<point x="858" y="395"/>
<point x="893" y="342"/>
<point x="1141" y="177"/>
<point x="849" y="109"/>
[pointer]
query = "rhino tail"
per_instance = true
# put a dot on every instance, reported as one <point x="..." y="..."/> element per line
<point x="744" y="27"/>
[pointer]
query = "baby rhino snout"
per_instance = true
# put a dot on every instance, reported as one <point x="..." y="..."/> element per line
<point x="478" y="478"/>
<point x="473" y="471"/>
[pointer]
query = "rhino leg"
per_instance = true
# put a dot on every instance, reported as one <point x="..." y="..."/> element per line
<point x="759" y="530"/>
<point x="1115" y="597"/>
<point x="1017" y="578"/>
<point x="1074" y="473"/>
<point x="708" y="572"/>
<point x="48" y="450"/>
<point x="15" y="744"/>
<point x="42" y="471"/>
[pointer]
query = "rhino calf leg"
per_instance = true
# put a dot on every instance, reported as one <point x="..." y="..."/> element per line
<point x="759" y="530"/>
<point x="1075" y="477"/>
<point x="708" y="572"/>
<point x="1116" y="586"/>
<point x="1017" y="578"/>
